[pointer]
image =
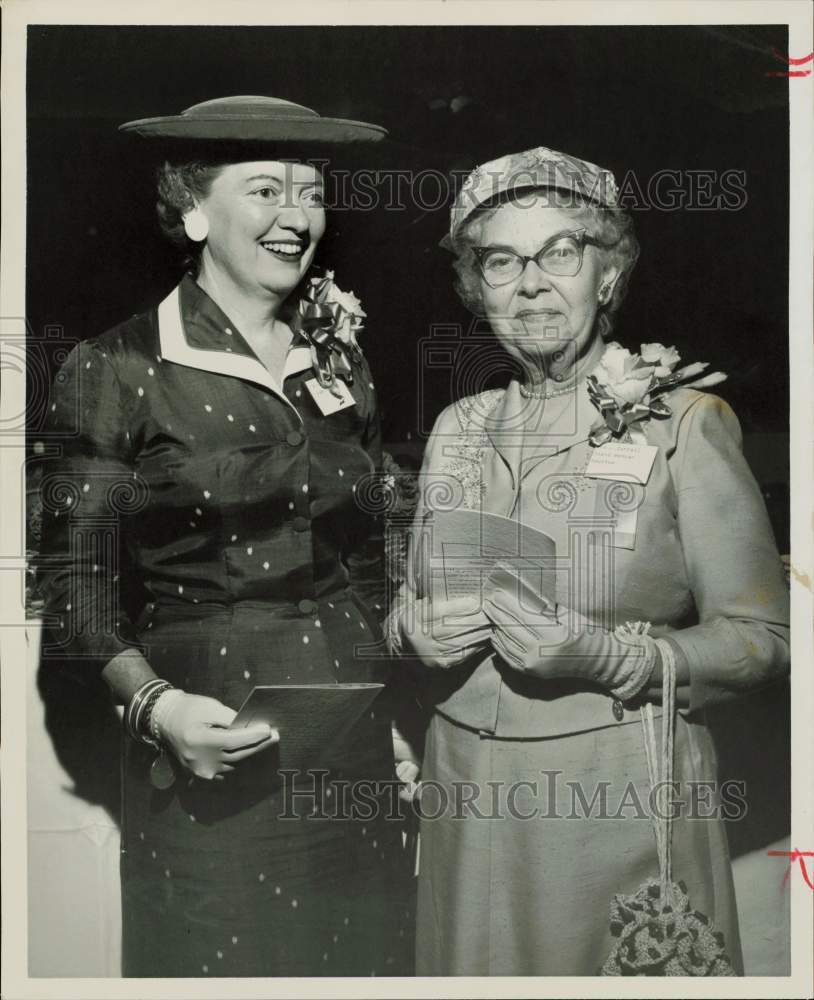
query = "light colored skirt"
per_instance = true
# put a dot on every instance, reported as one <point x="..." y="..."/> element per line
<point x="517" y="896"/>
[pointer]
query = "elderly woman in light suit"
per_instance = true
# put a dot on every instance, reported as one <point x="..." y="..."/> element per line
<point x="538" y="721"/>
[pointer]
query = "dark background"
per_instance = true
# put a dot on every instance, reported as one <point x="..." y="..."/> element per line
<point x="635" y="99"/>
<point x="638" y="99"/>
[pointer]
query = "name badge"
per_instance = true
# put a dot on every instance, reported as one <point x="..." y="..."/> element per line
<point x="630" y="463"/>
<point x="327" y="402"/>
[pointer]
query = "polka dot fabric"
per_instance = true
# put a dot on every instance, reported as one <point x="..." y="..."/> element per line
<point x="228" y="511"/>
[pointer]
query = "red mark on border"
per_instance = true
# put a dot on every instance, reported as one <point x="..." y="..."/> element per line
<point x="793" y="856"/>
<point x="789" y="73"/>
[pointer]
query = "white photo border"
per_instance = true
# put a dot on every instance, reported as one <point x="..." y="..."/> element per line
<point x="17" y="15"/>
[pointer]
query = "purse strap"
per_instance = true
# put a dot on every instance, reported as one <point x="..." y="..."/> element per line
<point x="660" y="769"/>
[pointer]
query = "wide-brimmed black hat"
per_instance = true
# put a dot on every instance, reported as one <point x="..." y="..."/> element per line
<point x="255" y="120"/>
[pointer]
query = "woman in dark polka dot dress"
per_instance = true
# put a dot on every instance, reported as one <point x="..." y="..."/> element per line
<point x="201" y="459"/>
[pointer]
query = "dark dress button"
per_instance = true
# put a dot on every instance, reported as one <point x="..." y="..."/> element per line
<point x="300" y="523"/>
<point x="618" y="710"/>
<point x="294" y="438"/>
<point x="307" y="607"/>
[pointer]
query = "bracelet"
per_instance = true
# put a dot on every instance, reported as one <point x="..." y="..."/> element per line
<point x="145" y="728"/>
<point x="141" y="723"/>
<point x="159" y="711"/>
<point x="134" y="716"/>
<point x="135" y="705"/>
<point x="643" y="667"/>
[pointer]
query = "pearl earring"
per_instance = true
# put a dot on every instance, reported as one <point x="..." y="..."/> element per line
<point x="196" y="225"/>
<point x="604" y="294"/>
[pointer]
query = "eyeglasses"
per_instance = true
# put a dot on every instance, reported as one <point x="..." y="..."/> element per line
<point x="560" y="256"/>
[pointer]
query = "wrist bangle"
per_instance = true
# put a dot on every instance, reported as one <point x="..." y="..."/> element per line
<point x="145" y="728"/>
<point x="159" y="711"/>
<point x="136" y="704"/>
<point x="138" y="707"/>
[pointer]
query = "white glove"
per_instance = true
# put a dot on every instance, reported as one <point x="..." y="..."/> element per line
<point x="551" y="641"/>
<point x="196" y="729"/>
<point x="443" y="633"/>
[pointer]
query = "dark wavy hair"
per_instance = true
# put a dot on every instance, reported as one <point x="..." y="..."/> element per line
<point x="609" y="225"/>
<point x="179" y="187"/>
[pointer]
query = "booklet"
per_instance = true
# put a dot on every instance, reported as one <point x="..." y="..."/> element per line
<point x="454" y="553"/>
<point x="310" y="718"/>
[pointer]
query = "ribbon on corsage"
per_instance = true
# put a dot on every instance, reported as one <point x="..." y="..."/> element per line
<point x="626" y="388"/>
<point x="328" y="320"/>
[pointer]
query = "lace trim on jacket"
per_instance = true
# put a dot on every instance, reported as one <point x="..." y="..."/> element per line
<point x="470" y="444"/>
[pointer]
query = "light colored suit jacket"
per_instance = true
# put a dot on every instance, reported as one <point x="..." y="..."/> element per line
<point x="692" y="551"/>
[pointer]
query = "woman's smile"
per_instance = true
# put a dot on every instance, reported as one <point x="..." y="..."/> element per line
<point x="287" y="250"/>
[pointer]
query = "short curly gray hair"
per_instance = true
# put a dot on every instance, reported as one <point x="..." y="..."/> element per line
<point x="179" y="187"/>
<point x="608" y="225"/>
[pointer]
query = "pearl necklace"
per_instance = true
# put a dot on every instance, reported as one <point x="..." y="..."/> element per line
<point x="531" y="394"/>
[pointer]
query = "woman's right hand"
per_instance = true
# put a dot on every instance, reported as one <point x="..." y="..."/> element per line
<point x="443" y="633"/>
<point x="196" y="729"/>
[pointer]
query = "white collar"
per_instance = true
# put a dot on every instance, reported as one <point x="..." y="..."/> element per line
<point x="176" y="348"/>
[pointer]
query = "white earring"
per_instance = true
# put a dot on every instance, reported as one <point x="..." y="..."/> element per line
<point x="196" y="225"/>
<point x="604" y="294"/>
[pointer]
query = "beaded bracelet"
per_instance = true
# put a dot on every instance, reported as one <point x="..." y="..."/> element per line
<point x="159" y="711"/>
<point x="138" y="709"/>
<point x="146" y="728"/>
<point x="136" y="704"/>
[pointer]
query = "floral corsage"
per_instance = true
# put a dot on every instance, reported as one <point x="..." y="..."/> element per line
<point x="329" y="320"/>
<point x="626" y="388"/>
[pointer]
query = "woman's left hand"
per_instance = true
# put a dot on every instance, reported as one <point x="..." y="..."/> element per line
<point x="552" y="641"/>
